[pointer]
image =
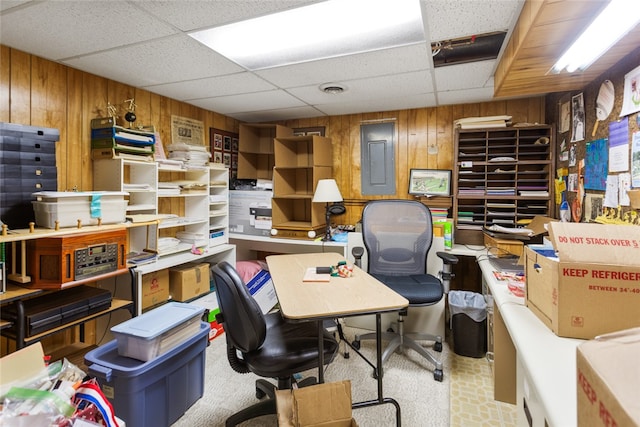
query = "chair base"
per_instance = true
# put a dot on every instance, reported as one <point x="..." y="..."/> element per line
<point x="266" y="391"/>
<point x="399" y="341"/>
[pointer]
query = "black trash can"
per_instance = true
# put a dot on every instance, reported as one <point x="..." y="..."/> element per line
<point x="468" y="323"/>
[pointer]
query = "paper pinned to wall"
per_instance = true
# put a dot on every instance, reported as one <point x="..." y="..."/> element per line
<point x="619" y="145"/>
<point x="611" y="192"/>
<point x="631" y="95"/>
<point x="624" y="184"/>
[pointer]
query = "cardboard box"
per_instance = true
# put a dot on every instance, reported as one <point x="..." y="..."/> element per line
<point x="504" y="247"/>
<point x="513" y="244"/>
<point x="210" y="302"/>
<point x="326" y="405"/>
<point x="189" y="281"/>
<point x="155" y="288"/>
<point x="593" y="287"/>
<point x="608" y="375"/>
<point x="262" y="290"/>
<point x="250" y="212"/>
<point x="20" y="366"/>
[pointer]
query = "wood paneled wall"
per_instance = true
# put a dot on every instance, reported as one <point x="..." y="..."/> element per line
<point x="38" y="92"/>
<point x="416" y="131"/>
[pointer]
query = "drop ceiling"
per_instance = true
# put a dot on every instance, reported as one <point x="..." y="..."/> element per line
<point x="145" y="44"/>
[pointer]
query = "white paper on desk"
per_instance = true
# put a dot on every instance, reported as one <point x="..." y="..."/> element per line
<point x="611" y="192"/>
<point x="311" y="276"/>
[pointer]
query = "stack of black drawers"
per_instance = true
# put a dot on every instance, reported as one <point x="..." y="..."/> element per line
<point x="27" y="165"/>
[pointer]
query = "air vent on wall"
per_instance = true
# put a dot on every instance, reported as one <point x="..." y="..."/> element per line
<point x="474" y="48"/>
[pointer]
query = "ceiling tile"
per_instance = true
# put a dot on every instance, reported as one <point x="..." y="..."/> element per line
<point x="257" y="101"/>
<point x="465" y="96"/>
<point x="212" y="86"/>
<point x="365" y="89"/>
<point x="62" y="29"/>
<point x="449" y="19"/>
<point x="160" y="61"/>
<point x="369" y="64"/>
<point x="205" y="14"/>
<point x="275" y="115"/>
<point x="464" y="76"/>
<point x="380" y="104"/>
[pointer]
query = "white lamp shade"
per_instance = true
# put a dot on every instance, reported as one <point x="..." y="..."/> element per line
<point x="327" y="191"/>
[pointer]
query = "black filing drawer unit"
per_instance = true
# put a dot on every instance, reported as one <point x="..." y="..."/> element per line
<point x="27" y="165"/>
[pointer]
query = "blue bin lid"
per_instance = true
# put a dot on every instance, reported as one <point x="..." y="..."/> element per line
<point x="154" y="323"/>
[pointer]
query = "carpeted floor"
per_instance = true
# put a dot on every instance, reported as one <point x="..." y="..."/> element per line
<point x="408" y="379"/>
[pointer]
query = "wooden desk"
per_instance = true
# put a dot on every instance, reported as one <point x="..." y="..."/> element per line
<point x="340" y="297"/>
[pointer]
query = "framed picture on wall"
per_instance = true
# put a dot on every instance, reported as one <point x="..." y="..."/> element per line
<point x="224" y="149"/>
<point x="430" y="182"/>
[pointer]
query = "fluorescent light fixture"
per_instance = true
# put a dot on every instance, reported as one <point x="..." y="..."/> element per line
<point x="321" y="30"/>
<point x="615" y="20"/>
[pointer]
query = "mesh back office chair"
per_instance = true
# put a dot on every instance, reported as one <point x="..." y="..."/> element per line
<point x="397" y="235"/>
<point x="266" y="345"/>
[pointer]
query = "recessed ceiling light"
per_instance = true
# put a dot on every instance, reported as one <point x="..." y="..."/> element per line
<point x="322" y="30"/>
<point x="333" y="88"/>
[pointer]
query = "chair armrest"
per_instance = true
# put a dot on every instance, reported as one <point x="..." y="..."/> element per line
<point x="357" y="253"/>
<point x="447" y="258"/>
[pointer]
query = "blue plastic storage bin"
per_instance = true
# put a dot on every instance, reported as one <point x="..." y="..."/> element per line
<point x="154" y="393"/>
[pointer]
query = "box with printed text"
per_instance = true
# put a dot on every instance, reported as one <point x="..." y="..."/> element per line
<point x="250" y="212"/>
<point x="592" y="287"/>
<point x="607" y="390"/>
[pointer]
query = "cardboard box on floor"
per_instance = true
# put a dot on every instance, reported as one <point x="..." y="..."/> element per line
<point x="608" y="375"/>
<point x="320" y="405"/>
<point x="594" y="286"/>
<point x="189" y="281"/>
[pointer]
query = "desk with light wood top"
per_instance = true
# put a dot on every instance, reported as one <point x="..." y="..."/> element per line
<point x="340" y="297"/>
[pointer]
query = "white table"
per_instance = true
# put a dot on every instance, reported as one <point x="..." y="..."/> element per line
<point x="247" y="245"/>
<point x="545" y="364"/>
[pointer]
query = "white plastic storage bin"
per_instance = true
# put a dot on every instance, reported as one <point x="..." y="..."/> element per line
<point x="69" y="207"/>
<point x="157" y="331"/>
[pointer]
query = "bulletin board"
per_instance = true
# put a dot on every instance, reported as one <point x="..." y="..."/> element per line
<point x="224" y="149"/>
<point x="584" y="154"/>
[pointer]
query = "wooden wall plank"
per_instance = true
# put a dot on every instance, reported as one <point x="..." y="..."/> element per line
<point x="5" y="82"/>
<point x="20" y="91"/>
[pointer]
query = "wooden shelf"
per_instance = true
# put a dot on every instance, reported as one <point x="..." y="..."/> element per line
<point x="116" y="304"/>
<point x="482" y="185"/>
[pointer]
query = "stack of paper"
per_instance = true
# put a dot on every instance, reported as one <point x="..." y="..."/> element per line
<point x="483" y="122"/>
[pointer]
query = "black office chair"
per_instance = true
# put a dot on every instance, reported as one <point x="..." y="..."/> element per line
<point x="266" y="345"/>
<point x="398" y="235"/>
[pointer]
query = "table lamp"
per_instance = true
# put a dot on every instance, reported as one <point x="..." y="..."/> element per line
<point x="327" y="192"/>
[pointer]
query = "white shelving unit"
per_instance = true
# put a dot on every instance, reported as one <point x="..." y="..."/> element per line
<point x="218" y="204"/>
<point x="139" y="179"/>
<point x="192" y="201"/>
<point x="183" y="196"/>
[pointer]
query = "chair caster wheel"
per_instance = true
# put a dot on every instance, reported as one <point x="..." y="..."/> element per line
<point x="438" y="375"/>
<point x="356" y="344"/>
<point x="390" y="330"/>
<point x="346" y="355"/>
<point x="437" y="346"/>
<point x="260" y="394"/>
